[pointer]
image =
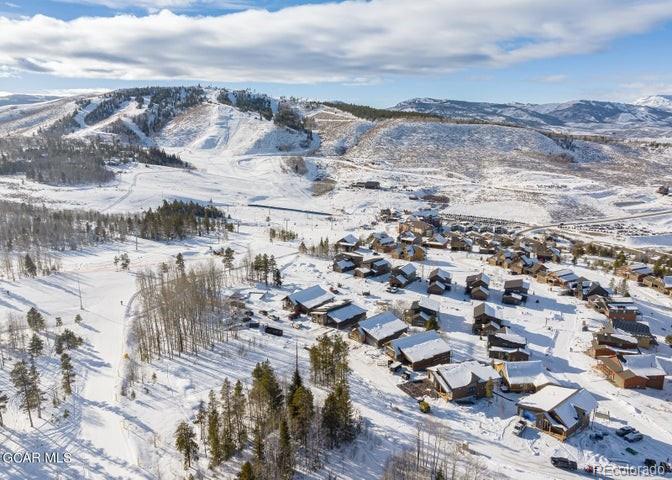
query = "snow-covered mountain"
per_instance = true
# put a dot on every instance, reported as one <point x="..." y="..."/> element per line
<point x="23" y="99"/>
<point x="662" y="102"/>
<point x="581" y="116"/>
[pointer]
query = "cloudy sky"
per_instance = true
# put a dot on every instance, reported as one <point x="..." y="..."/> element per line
<point x="376" y="52"/>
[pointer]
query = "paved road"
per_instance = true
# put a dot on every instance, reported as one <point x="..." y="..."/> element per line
<point x="592" y="222"/>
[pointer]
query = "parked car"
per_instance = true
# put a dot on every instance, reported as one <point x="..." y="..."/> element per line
<point x="392" y="289"/>
<point x="650" y="462"/>
<point x="633" y="437"/>
<point x="597" y="435"/>
<point x="564" y="463"/>
<point x="623" y="431"/>
<point x="519" y="427"/>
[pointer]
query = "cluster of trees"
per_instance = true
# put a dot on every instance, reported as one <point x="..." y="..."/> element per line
<point x="435" y="455"/>
<point x="264" y="267"/>
<point x="35" y="262"/>
<point x="25" y="375"/>
<point x="621" y="288"/>
<point x="165" y="104"/>
<point x="373" y="114"/>
<point x="329" y="361"/>
<point x="323" y="249"/>
<point x="34" y="227"/>
<point x="286" y="116"/>
<point x="106" y="108"/>
<point x="181" y="310"/>
<point x="246" y="101"/>
<point x="284" y="426"/>
<point x="282" y="234"/>
<point x="178" y="219"/>
<point x="68" y="161"/>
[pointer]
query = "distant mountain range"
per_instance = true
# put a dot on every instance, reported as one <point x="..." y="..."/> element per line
<point x="23" y="99"/>
<point x="649" y="116"/>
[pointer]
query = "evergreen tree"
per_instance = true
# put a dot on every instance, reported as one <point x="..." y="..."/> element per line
<point x="277" y="278"/>
<point x="246" y="473"/>
<point x="285" y="454"/>
<point x="337" y="416"/>
<point x="300" y="411"/>
<point x="202" y="421"/>
<point x="228" y="258"/>
<point x="37" y="396"/>
<point x="179" y="263"/>
<point x="22" y="382"/>
<point x="259" y="454"/>
<point x="3" y="406"/>
<point x="185" y="443"/>
<point x="68" y="373"/>
<point x="266" y="394"/>
<point x="29" y="266"/>
<point x="78" y="319"/>
<point x="239" y="411"/>
<point x="213" y="431"/>
<point x="227" y="441"/>
<point x="35" y="320"/>
<point x="36" y="346"/>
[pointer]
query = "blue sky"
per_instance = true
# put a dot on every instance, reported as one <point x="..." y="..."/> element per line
<point x="378" y="52"/>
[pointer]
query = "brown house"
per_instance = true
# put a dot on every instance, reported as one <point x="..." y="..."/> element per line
<point x="380" y="329"/>
<point x="634" y="371"/>
<point x="455" y="381"/>
<point x="485" y="319"/>
<point x="421" y="350"/>
<point x="559" y="411"/>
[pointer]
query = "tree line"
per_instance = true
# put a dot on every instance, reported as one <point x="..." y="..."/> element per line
<point x="284" y="426"/>
<point x="67" y="161"/>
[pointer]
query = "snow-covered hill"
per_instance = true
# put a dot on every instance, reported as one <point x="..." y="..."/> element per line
<point x="581" y="116"/>
<point x="662" y="102"/>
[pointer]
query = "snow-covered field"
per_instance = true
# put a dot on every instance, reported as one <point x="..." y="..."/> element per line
<point x="240" y="160"/>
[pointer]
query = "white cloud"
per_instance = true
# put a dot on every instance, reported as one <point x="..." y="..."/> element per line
<point x="158" y="5"/>
<point x="352" y="41"/>
<point x="555" y="78"/>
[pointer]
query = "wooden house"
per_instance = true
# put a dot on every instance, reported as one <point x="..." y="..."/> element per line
<point x="422" y="311"/>
<point x="421" y="350"/>
<point x="420" y="228"/>
<point x="486" y="319"/>
<point x="380" y="329"/>
<point x="460" y="243"/>
<point x="616" y="308"/>
<point x="639" y="330"/>
<point x="610" y="342"/>
<point x="506" y="339"/>
<point x="307" y="300"/>
<point x="587" y="288"/>
<point x="634" y="371"/>
<point x="340" y="315"/>
<point x="347" y="243"/>
<point x="381" y="242"/>
<point x="437" y="241"/>
<point x="528" y="376"/>
<point x="439" y="281"/>
<point x="403" y="275"/>
<point x="409" y="252"/>
<point x="508" y="354"/>
<point x="558" y="411"/>
<point x="456" y="381"/>
<point x="635" y="271"/>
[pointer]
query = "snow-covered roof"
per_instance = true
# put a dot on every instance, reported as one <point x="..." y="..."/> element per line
<point x="561" y="401"/>
<point x="349" y="239"/>
<point x="310" y="297"/>
<point x="667" y="281"/>
<point x="487" y="308"/>
<point x="442" y="274"/>
<point x="511" y="337"/>
<point x="429" y="304"/>
<point x="346" y="313"/>
<point x="641" y="269"/>
<point x="382" y="325"/>
<point x="380" y="263"/>
<point x="643" y="365"/>
<point x="529" y="372"/>
<point x="343" y="264"/>
<point x="408" y="269"/>
<point x="421" y="346"/>
<point x="366" y="253"/>
<point x="458" y="375"/>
